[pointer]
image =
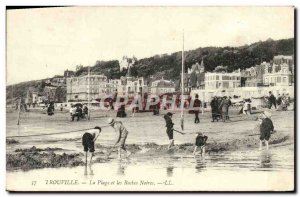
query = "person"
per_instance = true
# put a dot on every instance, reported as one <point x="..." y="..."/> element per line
<point x="225" y="105"/>
<point x="122" y="134"/>
<point x="213" y="105"/>
<point x="266" y="127"/>
<point x="279" y="100"/>
<point x="219" y="108"/>
<point x="169" y="125"/>
<point x="78" y="112"/>
<point x="156" y="108"/>
<point x="272" y="100"/>
<point x="73" y="112"/>
<point x="88" y="142"/>
<point x="61" y="107"/>
<point x="50" y="110"/>
<point x="121" y="110"/>
<point x="197" y="105"/>
<point x="85" y="111"/>
<point x="284" y="103"/>
<point x="288" y="99"/>
<point x="200" y="142"/>
<point x="247" y="107"/>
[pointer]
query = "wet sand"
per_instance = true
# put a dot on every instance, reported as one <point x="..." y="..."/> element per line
<point x="231" y="147"/>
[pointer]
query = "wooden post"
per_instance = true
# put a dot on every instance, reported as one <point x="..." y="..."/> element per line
<point x="89" y="109"/>
<point x="182" y="82"/>
<point x="19" y="111"/>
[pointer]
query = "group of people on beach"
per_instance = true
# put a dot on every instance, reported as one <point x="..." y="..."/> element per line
<point x="282" y="101"/>
<point x="90" y="136"/>
<point x="79" y="112"/>
<point x="220" y="108"/>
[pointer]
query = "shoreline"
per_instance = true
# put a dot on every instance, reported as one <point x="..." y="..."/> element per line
<point x="37" y="158"/>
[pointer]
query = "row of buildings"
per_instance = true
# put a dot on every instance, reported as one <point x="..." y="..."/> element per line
<point x="276" y="75"/>
<point x="94" y="86"/>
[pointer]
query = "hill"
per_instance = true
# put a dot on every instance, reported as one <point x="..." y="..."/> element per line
<point x="169" y="65"/>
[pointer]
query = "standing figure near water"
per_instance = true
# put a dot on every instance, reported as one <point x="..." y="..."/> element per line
<point x="200" y="142"/>
<point x="214" y="111"/>
<point x="272" y="100"/>
<point x="88" y="142"/>
<point x="169" y="125"/>
<point x="121" y="136"/>
<point x="266" y="127"/>
<point x="224" y="106"/>
<point x="197" y="105"/>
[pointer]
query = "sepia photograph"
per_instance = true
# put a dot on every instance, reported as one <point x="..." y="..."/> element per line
<point x="150" y="99"/>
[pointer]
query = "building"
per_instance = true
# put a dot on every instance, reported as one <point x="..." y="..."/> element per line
<point x="280" y="59"/>
<point x="194" y="78"/>
<point x="69" y="73"/>
<point x="114" y="85"/>
<point x="276" y="76"/>
<point x="126" y="62"/>
<point x="58" y="81"/>
<point x="254" y="76"/>
<point x="162" y="86"/>
<point x="222" y="80"/>
<point x="131" y="86"/>
<point x="283" y="77"/>
<point x="86" y="87"/>
<point x="49" y="93"/>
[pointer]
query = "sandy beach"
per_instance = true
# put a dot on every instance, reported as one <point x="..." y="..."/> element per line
<point x="232" y="147"/>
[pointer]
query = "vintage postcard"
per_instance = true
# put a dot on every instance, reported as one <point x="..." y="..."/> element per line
<point x="150" y="99"/>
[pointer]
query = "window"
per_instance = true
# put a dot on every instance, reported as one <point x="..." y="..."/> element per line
<point x="284" y="80"/>
<point x="217" y="77"/>
<point x="278" y="79"/>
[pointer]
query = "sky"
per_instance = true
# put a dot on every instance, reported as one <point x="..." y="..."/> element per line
<point x="44" y="42"/>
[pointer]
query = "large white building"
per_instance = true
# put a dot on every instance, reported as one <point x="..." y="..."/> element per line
<point x="222" y="80"/>
<point x="276" y="76"/>
<point x="283" y="77"/>
<point x="87" y="87"/>
<point x="162" y="86"/>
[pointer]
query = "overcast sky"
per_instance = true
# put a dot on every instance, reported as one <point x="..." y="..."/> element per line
<point x="44" y="42"/>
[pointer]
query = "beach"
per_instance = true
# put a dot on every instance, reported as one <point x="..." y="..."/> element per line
<point x="231" y="153"/>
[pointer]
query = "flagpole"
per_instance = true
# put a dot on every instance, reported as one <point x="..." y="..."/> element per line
<point x="182" y="82"/>
<point x="89" y="109"/>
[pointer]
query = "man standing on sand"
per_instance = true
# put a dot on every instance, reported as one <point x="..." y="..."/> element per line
<point x="197" y="105"/>
<point x="169" y="125"/>
<point x="213" y="105"/>
<point x="266" y="127"/>
<point x="88" y="141"/>
<point x="272" y="100"/>
<point x="121" y="136"/>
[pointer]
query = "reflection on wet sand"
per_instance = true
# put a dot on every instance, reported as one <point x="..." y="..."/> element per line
<point x="265" y="159"/>
<point x="170" y="168"/>
<point x="88" y="170"/>
<point x="121" y="168"/>
<point x="200" y="164"/>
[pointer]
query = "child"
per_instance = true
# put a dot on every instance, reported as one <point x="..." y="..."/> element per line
<point x="122" y="133"/>
<point x="169" y="125"/>
<point x="88" y="142"/>
<point x="266" y="127"/>
<point x="200" y="142"/>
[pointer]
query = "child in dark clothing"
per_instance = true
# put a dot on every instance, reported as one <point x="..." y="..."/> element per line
<point x="266" y="128"/>
<point x="88" y="142"/>
<point x="169" y="125"/>
<point x="200" y="142"/>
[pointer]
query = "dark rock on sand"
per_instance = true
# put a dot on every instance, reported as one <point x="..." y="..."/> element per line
<point x="11" y="141"/>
